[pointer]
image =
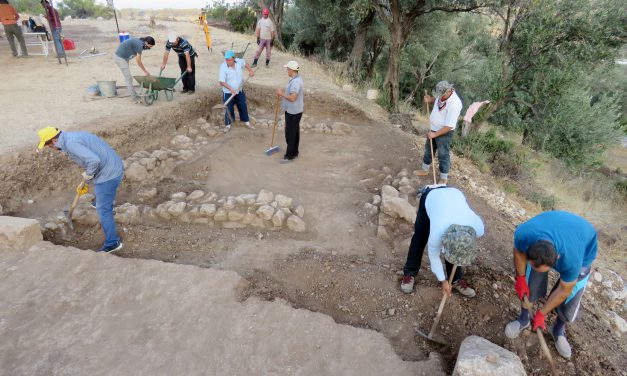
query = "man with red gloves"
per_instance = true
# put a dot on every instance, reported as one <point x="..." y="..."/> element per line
<point x="566" y="243"/>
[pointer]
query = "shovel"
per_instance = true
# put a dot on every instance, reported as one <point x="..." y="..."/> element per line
<point x="432" y="335"/>
<point x="274" y="149"/>
<point x="221" y="106"/>
<point x="431" y="144"/>
<point x="545" y="348"/>
<point x="74" y="203"/>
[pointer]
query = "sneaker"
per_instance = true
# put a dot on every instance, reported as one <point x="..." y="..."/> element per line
<point x="463" y="288"/>
<point x="190" y="92"/>
<point x="443" y="181"/>
<point x="93" y="203"/>
<point x="253" y="65"/>
<point x="227" y="129"/>
<point x="184" y="91"/>
<point x="249" y="126"/>
<point x="407" y="284"/>
<point x="112" y="248"/>
<point x="514" y="328"/>
<point x="422" y="172"/>
<point x="562" y="345"/>
<point x="286" y="160"/>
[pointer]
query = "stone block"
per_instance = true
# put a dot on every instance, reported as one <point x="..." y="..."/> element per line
<point x="19" y="233"/>
<point x="480" y="357"/>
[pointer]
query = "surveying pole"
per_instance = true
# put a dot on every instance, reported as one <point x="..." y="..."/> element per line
<point x="110" y="3"/>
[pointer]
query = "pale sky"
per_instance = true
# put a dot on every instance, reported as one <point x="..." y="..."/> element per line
<point x="159" y="4"/>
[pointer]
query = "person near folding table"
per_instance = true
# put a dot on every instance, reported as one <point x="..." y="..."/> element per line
<point x="231" y="80"/>
<point x="102" y="167"/>
<point x="187" y="60"/>
<point x="8" y="18"/>
<point x="445" y="222"/>
<point x="55" y="27"/>
<point x="566" y="243"/>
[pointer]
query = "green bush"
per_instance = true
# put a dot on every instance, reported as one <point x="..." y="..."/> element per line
<point x="242" y="19"/>
<point x="489" y="151"/>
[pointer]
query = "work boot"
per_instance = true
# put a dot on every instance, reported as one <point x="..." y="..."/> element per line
<point x="267" y="63"/>
<point x="561" y="344"/>
<point x="112" y="248"/>
<point x="463" y="288"/>
<point x="407" y="284"/>
<point x="514" y="328"/>
<point x="191" y="91"/>
<point x="254" y="63"/>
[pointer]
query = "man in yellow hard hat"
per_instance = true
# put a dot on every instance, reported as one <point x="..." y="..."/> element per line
<point x="102" y="166"/>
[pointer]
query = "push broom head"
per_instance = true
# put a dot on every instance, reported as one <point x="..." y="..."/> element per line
<point x="272" y="150"/>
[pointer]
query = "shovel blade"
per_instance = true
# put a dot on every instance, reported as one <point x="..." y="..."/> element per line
<point x="435" y="338"/>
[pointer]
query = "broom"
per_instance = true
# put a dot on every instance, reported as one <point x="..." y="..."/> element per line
<point x="274" y="149"/>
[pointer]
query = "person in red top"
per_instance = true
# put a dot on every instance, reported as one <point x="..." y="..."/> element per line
<point x="8" y="18"/>
<point x="55" y="25"/>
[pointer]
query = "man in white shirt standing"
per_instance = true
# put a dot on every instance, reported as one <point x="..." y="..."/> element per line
<point x="444" y="220"/>
<point x="442" y="121"/>
<point x="265" y="36"/>
<point x="231" y="80"/>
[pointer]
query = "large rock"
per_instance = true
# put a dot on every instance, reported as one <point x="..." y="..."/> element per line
<point x="398" y="207"/>
<point x="388" y="191"/>
<point x="265" y="197"/>
<point x="265" y="212"/>
<point x="181" y="142"/>
<point x="177" y="209"/>
<point x="207" y="210"/>
<point x="19" y="233"/>
<point x="296" y="224"/>
<point x="283" y="201"/>
<point x="278" y="218"/>
<point x="195" y="195"/>
<point x="147" y="194"/>
<point x="136" y="172"/>
<point x="127" y="214"/>
<point x="480" y="357"/>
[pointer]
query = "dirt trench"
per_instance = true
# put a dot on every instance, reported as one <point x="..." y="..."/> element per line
<point x="338" y="266"/>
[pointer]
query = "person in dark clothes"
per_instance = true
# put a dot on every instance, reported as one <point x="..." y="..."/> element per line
<point x="187" y="60"/>
<point x="292" y="104"/>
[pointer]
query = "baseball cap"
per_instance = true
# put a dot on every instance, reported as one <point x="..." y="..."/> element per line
<point x="292" y="65"/>
<point x="46" y="134"/>
<point x="459" y="245"/>
<point x="172" y="36"/>
<point x="441" y="87"/>
<point x="228" y="54"/>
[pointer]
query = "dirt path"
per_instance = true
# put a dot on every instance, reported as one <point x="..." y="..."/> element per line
<point x="339" y="266"/>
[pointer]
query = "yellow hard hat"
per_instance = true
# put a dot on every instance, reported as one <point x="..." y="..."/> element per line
<point x="45" y="135"/>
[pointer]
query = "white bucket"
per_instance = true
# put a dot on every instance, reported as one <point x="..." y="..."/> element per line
<point x="107" y="88"/>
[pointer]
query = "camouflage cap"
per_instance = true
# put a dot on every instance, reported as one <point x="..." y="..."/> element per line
<point x="441" y="88"/>
<point x="459" y="245"/>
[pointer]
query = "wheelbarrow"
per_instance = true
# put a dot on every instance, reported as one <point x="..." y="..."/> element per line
<point x="239" y="55"/>
<point x="151" y="86"/>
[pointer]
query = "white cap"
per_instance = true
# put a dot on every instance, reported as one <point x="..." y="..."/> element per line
<point x="172" y="35"/>
<point x="292" y="65"/>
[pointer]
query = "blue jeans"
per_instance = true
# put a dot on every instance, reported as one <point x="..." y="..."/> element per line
<point x="56" y="36"/>
<point x="105" y="194"/>
<point x="442" y="145"/>
<point x="240" y="102"/>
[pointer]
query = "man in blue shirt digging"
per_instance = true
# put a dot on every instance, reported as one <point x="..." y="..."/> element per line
<point x="566" y="243"/>
<point x="102" y="166"/>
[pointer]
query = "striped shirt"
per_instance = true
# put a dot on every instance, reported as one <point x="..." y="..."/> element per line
<point x="181" y="48"/>
<point x="93" y="154"/>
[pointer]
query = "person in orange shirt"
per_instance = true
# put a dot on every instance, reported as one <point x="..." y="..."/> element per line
<point x="8" y="18"/>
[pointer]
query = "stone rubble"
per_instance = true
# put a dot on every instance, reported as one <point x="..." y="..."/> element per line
<point x="480" y="357"/>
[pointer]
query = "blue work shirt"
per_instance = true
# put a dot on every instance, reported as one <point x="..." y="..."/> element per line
<point x="232" y="76"/>
<point x="93" y="154"/>
<point x="574" y="239"/>
<point x="129" y="48"/>
<point x="295" y="85"/>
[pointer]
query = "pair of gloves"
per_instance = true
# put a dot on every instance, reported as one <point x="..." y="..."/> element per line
<point x="84" y="188"/>
<point x="522" y="289"/>
<point x="271" y="42"/>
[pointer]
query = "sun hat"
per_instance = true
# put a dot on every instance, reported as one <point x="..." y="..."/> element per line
<point x="441" y="88"/>
<point x="459" y="245"/>
<point x="172" y="36"/>
<point x="292" y="65"/>
<point x="46" y="134"/>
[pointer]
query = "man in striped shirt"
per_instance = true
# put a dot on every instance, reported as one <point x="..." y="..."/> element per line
<point x="187" y="58"/>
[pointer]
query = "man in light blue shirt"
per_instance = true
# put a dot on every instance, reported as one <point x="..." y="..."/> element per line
<point x="292" y="104"/>
<point x="102" y="166"/>
<point x="230" y="78"/>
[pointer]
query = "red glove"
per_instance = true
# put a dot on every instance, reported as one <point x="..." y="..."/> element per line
<point x="538" y="321"/>
<point x="521" y="287"/>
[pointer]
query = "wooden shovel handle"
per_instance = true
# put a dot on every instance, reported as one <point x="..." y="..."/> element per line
<point x="75" y="201"/>
<point x="436" y="321"/>
<point x="431" y="143"/>
<point x="276" y="118"/>
<point x="545" y="348"/>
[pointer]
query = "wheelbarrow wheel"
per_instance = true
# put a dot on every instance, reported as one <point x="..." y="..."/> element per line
<point x="149" y="98"/>
<point x="169" y="95"/>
